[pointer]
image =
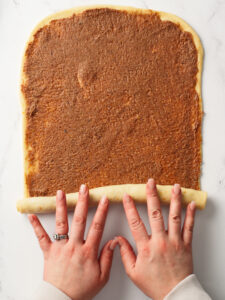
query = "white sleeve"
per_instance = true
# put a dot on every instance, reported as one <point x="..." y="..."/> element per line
<point x="47" y="291"/>
<point x="189" y="288"/>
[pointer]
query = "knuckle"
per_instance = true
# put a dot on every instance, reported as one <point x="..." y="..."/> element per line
<point x="176" y="245"/>
<point x="162" y="245"/>
<point x="176" y="219"/>
<point x="156" y="214"/>
<point x="79" y="219"/>
<point x="87" y="252"/>
<point x="61" y="223"/>
<point x="145" y="251"/>
<point x="41" y="237"/>
<point x="153" y="194"/>
<point x="84" y="196"/>
<point x="135" y="223"/>
<point x="189" y="227"/>
<point x="98" y="226"/>
<point x="69" y="250"/>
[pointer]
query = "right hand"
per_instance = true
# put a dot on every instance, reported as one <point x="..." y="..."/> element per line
<point x="164" y="258"/>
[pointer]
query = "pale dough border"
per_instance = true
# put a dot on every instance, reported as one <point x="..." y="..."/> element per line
<point x="45" y="204"/>
<point x="115" y="194"/>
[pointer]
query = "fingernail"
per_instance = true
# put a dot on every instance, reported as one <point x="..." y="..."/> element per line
<point x="151" y="183"/>
<point x="192" y="205"/>
<point x="127" y="197"/>
<point x="59" y="194"/>
<point x="176" y="189"/>
<point x="83" y="188"/>
<point x="117" y="238"/>
<point x="104" y="200"/>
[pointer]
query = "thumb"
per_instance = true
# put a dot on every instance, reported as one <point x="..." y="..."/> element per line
<point x="127" y="255"/>
<point x="105" y="259"/>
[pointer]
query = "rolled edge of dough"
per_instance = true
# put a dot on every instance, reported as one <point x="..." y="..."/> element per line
<point x="115" y="194"/>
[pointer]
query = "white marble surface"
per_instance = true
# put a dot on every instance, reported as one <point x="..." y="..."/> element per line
<point x="20" y="256"/>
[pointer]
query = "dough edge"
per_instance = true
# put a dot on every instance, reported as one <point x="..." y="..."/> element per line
<point x="49" y="207"/>
<point x="115" y="194"/>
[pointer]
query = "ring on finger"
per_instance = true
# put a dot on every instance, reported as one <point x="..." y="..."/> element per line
<point x="58" y="237"/>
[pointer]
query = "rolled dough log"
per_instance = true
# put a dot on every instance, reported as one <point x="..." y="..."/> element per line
<point x="115" y="194"/>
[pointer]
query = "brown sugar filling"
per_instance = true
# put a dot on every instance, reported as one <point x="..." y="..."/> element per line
<point x="110" y="99"/>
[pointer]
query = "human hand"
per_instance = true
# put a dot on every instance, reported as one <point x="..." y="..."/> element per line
<point x="72" y="265"/>
<point x="165" y="257"/>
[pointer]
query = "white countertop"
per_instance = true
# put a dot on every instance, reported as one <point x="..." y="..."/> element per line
<point x="20" y="257"/>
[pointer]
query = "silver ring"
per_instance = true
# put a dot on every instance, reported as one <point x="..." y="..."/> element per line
<point x="58" y="237"/>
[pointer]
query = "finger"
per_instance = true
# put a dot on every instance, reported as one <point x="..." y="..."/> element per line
<point x="61" y="221"/>
<point x="80" y="216"/>
<point x="136" y="225"/>
<point x="127" y="255"/>
<point x="189" y="224"/>
<point x="175" y="214"/>
<point x="97" y="226"/>
<point x="105" y="259"/>
<point x="154" y="209"/>
<point x="41" y="234"/>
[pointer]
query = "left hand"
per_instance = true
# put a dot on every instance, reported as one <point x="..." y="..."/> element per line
<point x="72" y="265"/>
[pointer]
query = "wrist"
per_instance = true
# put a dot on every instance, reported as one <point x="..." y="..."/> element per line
<point x="169" y="286"/>
<point x="175" y="284"/>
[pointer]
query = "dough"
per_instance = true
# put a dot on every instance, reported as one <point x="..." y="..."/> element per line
<point x="45" y="173"/>
<point x="114" y="194"/>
